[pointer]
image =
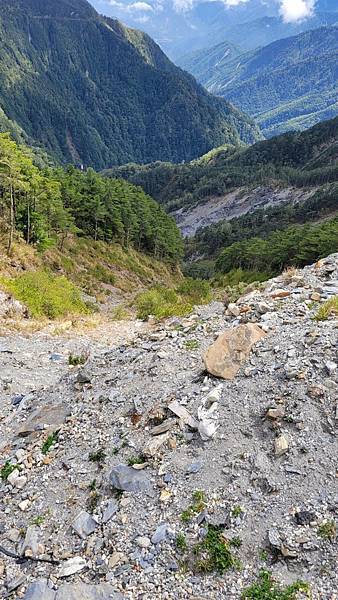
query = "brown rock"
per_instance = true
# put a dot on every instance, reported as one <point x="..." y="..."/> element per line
<point x="225" y="357"/>
<point x="280" y="294"/>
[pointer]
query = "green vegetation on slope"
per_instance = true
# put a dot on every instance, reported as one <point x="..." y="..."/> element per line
<point x="90" y="91"/>
<point x="46" y="206"/>
<point x="289" y="84"/>
<point x="301" y="159"/>
<point x="297" y="245"/>
<point x="46" y="295"/>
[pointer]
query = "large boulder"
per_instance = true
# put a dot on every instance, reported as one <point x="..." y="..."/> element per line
<point x="231" y="349"/>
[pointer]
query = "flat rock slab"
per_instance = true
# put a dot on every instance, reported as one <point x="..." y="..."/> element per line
<point x="130" y="480"/>
<point x="50" y="415"/>
<point x="231" y="349"/>
<point x="38" y="590"/>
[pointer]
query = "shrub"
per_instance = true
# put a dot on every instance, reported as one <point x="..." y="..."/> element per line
<point x="46" y="295"/>
<point x="162" y="302"/>
<point x="197" y="290"/>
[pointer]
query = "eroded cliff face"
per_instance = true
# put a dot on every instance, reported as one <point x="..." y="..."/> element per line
<point x="235" y="204"/>
<point x="125" y="469"/>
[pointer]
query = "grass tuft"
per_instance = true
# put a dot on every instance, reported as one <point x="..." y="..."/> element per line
<point x="265" y="588"/>
<point x="328" y="530"/>
<point x="214" y="552"/>
<point x="330" y="307"/>
<point x="50" y="442"/>
<point x="6" y="470"/>
<point x="165" y="302"/>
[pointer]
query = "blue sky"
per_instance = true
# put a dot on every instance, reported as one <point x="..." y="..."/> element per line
<point x="146" y="10"/>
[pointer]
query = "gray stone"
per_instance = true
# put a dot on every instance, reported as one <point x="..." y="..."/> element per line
<point x="160" y="534"/>
<point x="110" y="510"/>
<point x="84" y="524"/>
<point x="129" y="480"/>
<point x="87" y="592"/>
<point x="51" y="416"/>
<point x="194" y="467"/>
<point x="31" y="542"/>
<point x="39" y="590"/>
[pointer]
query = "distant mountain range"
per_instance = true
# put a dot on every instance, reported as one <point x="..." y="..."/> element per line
<point x="182" y="27"/>
<point x="289" y="84"/>
<point x="91" y="91"/>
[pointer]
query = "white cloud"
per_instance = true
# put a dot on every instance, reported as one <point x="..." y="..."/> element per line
<point x="234" y="2"/>
<point x="296" y="10"/>
<point x="290" y="10"/>
<point x="140" y="6"/>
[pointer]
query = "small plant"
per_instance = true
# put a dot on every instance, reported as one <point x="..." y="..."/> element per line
<point x="199" y="504"/>
<point x="6" y="470"/>
<point x="328" y="530"/>
<point x="135" y="460"/>
<point x="263" y="555"/>
<point x="265" y="588"/>
<point x="38" y="520"/>
<point x="50" y="442"/>
<point x="115" y="451"/>
<point x="214" y="553"/>
<point x="191" y="344"/>
<point x="76" y="359"/>
<point x="236" y="511"/>
<point x="117" y="493"/>
<point x="98" y="456"/>
<point x="181" y="542"/>
<point x="92" y="485"/>
<point x="236" y="542"/>
<point x="93" y="501"/>
<point x="330" y="307"/>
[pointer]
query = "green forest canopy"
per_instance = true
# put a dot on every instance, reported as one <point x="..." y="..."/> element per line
<point x="46" y="205"/>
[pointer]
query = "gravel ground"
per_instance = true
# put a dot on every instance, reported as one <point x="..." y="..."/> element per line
<point x="266" y="477"/>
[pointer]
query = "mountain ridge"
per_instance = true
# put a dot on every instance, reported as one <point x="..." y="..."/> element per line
<point x="124" y="101"/>
<point x="282" y="85"/>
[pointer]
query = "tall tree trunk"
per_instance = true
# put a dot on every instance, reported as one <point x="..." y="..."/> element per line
<point x="28" y="222"/>
<point x="11" y="219"/>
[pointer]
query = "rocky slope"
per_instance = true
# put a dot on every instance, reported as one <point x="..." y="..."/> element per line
<point x="155" y="459"/>
<point x="235" y="204"/>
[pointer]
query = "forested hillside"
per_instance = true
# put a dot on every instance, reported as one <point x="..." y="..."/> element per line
<point x="296" y="158"/>
<point x="47" y="206"/>
<point x="90" y="91"/>
<point x="289" y="84"/>
<point x="263" y="240"/>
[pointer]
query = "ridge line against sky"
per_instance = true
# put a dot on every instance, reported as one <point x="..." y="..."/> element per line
<point x="290" y="10"/>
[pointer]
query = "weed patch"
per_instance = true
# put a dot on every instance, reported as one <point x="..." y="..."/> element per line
<point x="214" y="552"/>
<point x="330" y="307"/>
<point x="328" y="530"/>
<point x="266" y="589"/>
<point x="50" y="442"/>
<point x="6" y="470"/>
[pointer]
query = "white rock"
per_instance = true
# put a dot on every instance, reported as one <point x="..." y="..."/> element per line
<point x="72" y="566"/>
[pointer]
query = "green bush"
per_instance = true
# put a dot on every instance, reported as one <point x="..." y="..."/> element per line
<point x="46" y="295"/>
<point x="197" y="290"/>
<point x="161" y="302"/>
